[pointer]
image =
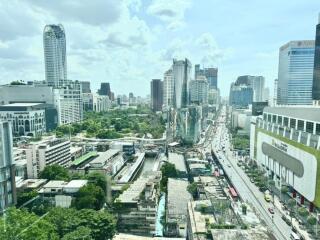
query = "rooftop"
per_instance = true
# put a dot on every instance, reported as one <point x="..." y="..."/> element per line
<point x="105" y="156"/>
<point x="306" y="113"/>
<point x="55" y="184"/>
<point x="84" y="157"/>
<point x="248" y="234"/>
<point x="76" y="184"/>
<point x="178" y="197"/>
<point x="178" y="161"/>
<point x="21" y="104"/>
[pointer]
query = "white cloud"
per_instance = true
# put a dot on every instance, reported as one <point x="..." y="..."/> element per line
<point x="170" y="11"/>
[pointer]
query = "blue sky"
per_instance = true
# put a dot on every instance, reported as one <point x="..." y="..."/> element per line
<point x="129" y="42"/>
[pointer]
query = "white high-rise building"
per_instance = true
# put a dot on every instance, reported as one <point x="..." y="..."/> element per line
<point x="54" y="44"/>
<point x="181" y="75"/>
<point x="199" y="90"/>
<point x="68" y="101"/>
<point x="168" y="89"/>
<point x="257" y="84"/>
<point x="295" y="73"/>
<point x="7" y="176"/>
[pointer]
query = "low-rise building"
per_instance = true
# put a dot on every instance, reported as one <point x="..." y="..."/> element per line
<point x="47" y="152"/>
<point x="138" y="205"/>
<point x="176" y="211"/>
<point x="108" y="162"/>
<point x="27" y="119"/>
<point x="178" y="161"/>
<point x="61" y="193"/>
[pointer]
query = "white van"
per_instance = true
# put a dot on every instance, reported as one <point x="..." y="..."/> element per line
<point x="294" y="236"/>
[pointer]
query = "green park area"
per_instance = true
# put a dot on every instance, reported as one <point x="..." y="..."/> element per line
<point x="117" y="123"/>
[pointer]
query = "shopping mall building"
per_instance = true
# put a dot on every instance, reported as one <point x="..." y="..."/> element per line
<point x="285" y="141"/>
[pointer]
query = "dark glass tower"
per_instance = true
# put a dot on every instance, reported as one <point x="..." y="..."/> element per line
<point x="156" y="95"/>
<point x="105" y="89"/>
<point x="316" y="69"/>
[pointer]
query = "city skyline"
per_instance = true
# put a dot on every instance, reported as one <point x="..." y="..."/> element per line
<point x="107" y="47"/>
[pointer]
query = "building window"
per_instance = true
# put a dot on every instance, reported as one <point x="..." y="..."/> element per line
<point x="280" y="120"/>
<point x="300" y="125"/>
<point x="309" y="127"/>
<point x="293" y="123"/>
<point x="269" y="117"/>
<point x="318" y="129"/>
<point x="265" y="116"/>
<point x="274" y="118"/>
<point x="286" y="121"/>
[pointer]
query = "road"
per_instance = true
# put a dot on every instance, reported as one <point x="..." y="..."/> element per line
<point x="247" y="190"/>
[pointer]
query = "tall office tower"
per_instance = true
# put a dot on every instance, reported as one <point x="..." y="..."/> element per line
<point x="54" y="43"/>
<point x="296" y="59"/>
<point x="181" y="76"/>
<point x="316" y="70"/>
<point x="241" y="95"/>
<point x="105" y="89"/>
<point x="85" y="86"/>
<point x="210" y="73"/>
<point x="168" y="89"/>
<point x="7" y="179"/>
<point x="256" y="83"/>
<point x="156" y="95"/>
<point x="199" y="90"/>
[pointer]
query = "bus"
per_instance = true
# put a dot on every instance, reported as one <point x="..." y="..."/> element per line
<point x="294" y="236"/>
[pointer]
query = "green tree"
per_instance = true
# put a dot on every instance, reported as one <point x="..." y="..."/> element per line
<point x="83" y="233"/>
<point x="70" y="223"/>
<point x="90" y="196"/>
<point x="23" y="197"/>
<point x="20" y="224"/>
<point x="55" y="172"/>
<point x="168" y="170"/>
<point x="193" y="189"/>
<point x="98" y="179"/>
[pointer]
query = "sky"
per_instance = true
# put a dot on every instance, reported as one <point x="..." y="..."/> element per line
<point x="130" y="42"/>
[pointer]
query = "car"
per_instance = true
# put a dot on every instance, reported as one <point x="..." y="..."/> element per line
<point x="271" y="210"/>
<point x="229" y="165"/>
<point x="252" y="180"/>
<point x="267" y="197"/>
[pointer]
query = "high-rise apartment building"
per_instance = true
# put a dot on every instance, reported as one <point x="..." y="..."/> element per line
<point x="7" y="176"/>
<point x="54" y="43"/>
<point x="168" y="89"/>
<point x="210" y="73"/>
<point x="199" y="90"/>
<point x="156" y="95"/>
<point x="295" y="73"/>
<point x="316" y="69"/>
<point x="181" y="76"/>
<point x="68" y="101"/>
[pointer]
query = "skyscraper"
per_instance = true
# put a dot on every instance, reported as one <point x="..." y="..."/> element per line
<point x="168" y="89"/>
<point x="181" y="76"/>
<point x="7" y="179"/>
<point x="85" y="87"/>
<point x="156" y="95"/>
<point x="210" y="73"/>
<point x="257" y="85"/>
<point x="54" y="43"/>
<point x="295" y="73"/>
<point x="199" y="90"/>
<point x="316" y="69"/>
<point x="105" y="89"/>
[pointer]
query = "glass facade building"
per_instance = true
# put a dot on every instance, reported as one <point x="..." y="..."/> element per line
<point x="316" y="70"/>
<point x="181" y="75"/>
<point x="54" y="43"/>
<point x="295" y="73"/>
<point x="7" y="177"/>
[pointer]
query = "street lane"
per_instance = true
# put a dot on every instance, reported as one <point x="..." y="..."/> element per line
<point x="247" y="190"/>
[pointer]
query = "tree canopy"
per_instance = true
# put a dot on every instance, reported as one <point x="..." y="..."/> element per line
<point x="89" y="196"/>
<point x="55" y="172"/>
